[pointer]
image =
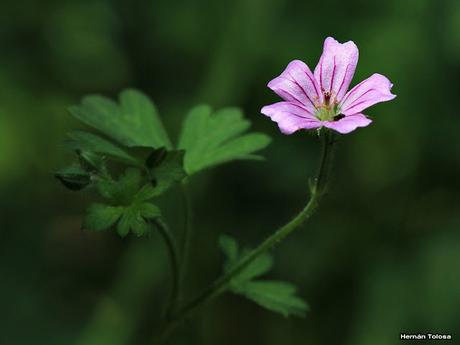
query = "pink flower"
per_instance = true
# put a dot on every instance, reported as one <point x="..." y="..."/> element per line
<point x="320" y="99"/>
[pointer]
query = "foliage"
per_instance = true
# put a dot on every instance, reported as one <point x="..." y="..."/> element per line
<point x="73" y="177"/>
<point x="126" y="202"/>
<point x="276" y="296"/>
<point x="132" y="122"/>
<point x="88" y="142"/>
<point x="132" y="137"/>
<point x="213" y="138"/>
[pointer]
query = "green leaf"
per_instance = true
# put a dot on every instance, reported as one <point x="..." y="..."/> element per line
<point x="73" y="177"/>
<point x="169" y="172"/>
<point x="85" y="141"/>
<point x="239" y="148"/>
<point x="126" y="193"/>
<point x="149" y="211"/>
<point x="123" y="191"/>
<point x="273" y="295"/>
<point x="261" y="265"/>
<point x="165" y="171"/>
<point x="230" y="248"/>
<point x="91" y="161"/>
<point x="276" y="296"/>
<point x="124" y="225"/>
<point x="101" y="217"/>
<point x="211" y="139"/>
<point x="132" y="122"/>
<point x="132" y="220"/>
<point x="129" y="182"/>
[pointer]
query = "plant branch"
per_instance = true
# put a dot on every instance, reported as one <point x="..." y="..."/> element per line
<point x="186" y="235"/>
<point x="220" y="285"/>
<point x="174" y="259"/>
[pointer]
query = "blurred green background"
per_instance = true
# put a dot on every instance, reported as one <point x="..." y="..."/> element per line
<point x="380" y="257"/>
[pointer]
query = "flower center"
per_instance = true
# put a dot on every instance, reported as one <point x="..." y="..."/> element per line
<point x="328" y="111"/>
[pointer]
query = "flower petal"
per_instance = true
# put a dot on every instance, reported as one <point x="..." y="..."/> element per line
<point x="297" y="84"/>
<point x="349" y="123"/>
<point x="336" y="67"/>
<point x="290" y="117"/>
<point x="374" y="89"/>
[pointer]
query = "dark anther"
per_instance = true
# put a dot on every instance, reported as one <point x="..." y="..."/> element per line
<point x="327" y="97"/>
<point x="338" y="117"/>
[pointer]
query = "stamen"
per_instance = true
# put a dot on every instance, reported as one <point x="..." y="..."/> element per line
<point x="327" y="97"/>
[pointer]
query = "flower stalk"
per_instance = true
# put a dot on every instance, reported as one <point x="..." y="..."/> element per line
<point x="174" y="260"/>
<point x="317" y="188"/>
<point x="186" y="236"/>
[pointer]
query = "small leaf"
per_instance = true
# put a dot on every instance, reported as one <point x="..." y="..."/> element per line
<point x="276" y="296"/>
<point x="140" y="227"/>
<point x="261" y="265"/>
<point x="147" y="192"/>
<point x="133" y="122"/>
<point x="130" y="182"/>
<point x="124" y="225"/>
<point x="74" y="178"/>
<point x="136" y="104"/>
<point x="149" y="211"/>
<point x="212" y="139"/>
<point x="101" y="217"/>
<point x="230" y="248"/>
<point x="107" y="188"/>
<point x="85" y="141"/>
<point x="132" y="220"/>
<point x="91" y="161"/>
<point x="239" y="148"/>
<point x="123" y="191"/>
<point x="167" y="172"/>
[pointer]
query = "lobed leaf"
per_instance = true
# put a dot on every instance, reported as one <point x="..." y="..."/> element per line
<point x="149" y="211"/>
<point x="163" y="174"/>
<point x="123" y="191"/>
<point x="276" y="296"/>
<point x="85" y="141"/>
<point x="101" y="217"/>
<point x="211" y="139"/>
<point x="132" y="122"/>
<point x="260" y="266"/>
<point x="73" y="177"/>
<point x="133" y="220"/>
<point x="230" y="248"/>
<point x="168" y="172"/>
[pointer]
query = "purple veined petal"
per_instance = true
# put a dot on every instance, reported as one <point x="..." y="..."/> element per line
<point x="375" y="89"/>
<point x="336" y="67"/>
<point x="290" y="117"/>
<point x="348" y="123"/>
<point x="297" y="84"/>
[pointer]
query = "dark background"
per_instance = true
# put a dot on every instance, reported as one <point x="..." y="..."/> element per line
<point x="381" y="256"/>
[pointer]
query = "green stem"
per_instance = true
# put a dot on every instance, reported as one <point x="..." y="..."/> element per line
<point x="186" y="236"/>
<point x="324" y="168"/>
<point x="220" y="285"/>
<point x="174" y="259"/>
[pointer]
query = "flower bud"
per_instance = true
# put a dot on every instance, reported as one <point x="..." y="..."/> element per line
<point x="73" y="178"/>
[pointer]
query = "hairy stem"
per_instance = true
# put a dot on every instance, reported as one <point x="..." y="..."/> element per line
<point x="317" y="188"/>
<point x="174" y="259"/>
